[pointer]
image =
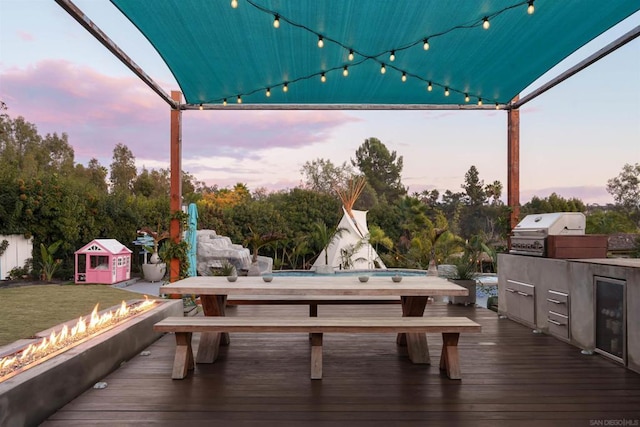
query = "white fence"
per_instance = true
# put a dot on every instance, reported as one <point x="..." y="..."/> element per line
<point x="18" y="251"/>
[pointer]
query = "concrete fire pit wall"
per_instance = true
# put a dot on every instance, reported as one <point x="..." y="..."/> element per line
<point x="31" y="396"/>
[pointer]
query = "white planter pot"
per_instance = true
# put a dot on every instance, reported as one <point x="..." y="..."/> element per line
<point x="470" y="285"/>
<point x="324" y="269"/>
<point x="154" y="272"/>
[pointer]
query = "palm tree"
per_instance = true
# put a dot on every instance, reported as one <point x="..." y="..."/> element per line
<point x="324" y="238"/>
<point x="256" y="241"/>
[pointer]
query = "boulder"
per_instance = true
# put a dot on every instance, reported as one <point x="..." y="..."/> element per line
<point x="214" y="250"/>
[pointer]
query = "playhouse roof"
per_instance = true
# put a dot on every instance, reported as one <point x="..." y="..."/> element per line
<point x="109" y="245"/>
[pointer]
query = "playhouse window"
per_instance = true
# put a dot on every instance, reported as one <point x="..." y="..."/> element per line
<point x="99" y="262"/>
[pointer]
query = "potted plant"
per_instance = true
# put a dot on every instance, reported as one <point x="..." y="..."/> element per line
<point x="229" y="271"/>
<point x="155" y="269"/>
<point x="464" y="275"/>
<point x="325" y="238"/>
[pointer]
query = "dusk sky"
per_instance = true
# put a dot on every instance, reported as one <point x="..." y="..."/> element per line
<point x="57" y="76"/>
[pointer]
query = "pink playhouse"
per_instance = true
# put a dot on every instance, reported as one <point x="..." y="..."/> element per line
<point x="104" y="261"/>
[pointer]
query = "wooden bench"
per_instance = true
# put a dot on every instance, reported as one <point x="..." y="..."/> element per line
<point x="184" y="327"/>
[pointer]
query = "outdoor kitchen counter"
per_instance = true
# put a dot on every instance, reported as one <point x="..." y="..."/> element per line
<point x="547" y="279"/>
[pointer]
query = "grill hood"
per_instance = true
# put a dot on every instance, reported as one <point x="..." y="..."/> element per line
<point x="551" y="224"/>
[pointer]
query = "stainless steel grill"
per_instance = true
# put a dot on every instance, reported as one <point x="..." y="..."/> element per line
<point x="530" y="235"/>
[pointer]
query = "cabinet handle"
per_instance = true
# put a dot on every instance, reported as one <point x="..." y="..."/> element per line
<point x="524" y="294"/>
<point x="555" y="301"/>
<point x="554" y="322"/>
<point x="510" y="290"/>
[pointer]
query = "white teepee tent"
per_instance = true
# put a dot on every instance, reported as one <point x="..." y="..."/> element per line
<point x="351" y="250"/>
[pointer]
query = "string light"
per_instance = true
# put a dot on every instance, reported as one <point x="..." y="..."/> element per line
<point x="276" y="21"/>
<point x="383" y="69"/>
<point x="404" y="77"/>
<point x="285" y="87"/>
<point x="446" y="91"/>
<point x="497" y="106"/>
<point x="224" y="102"/>
<point x="392" y="57"/>
<point x="320" y="42"/>
<point x="479" y="101"/>
<point x="425" y="46"/>
<point x="485" y="23"/>
<point x="323" y="78"/>
<point x="345" y="71"/>
<point x="429" y="87"/>
<point x="351" y="55"/>
<point x="268" y="92"/>
<point x="234" y="4"/>
<point x="530" y="8"/>
<point x="200" y="108"/>
<point x="466" y="97"/>
<point x="239" y="99"/>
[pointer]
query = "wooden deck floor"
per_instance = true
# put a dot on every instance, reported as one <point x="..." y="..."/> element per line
<point x="510" y="377"/>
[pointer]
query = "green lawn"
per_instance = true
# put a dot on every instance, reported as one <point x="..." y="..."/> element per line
<point x="27" y="310"/>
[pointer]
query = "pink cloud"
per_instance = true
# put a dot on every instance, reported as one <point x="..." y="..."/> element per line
<point x="99" y="111"/>
<point x="27" y="37"/>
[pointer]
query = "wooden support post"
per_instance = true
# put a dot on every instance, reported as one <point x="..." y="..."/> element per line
<point x="183" y="360"/>
<point x="209" y="346"/>
<point x="316" y="356"/>
<point x="449" y="359"/>
<point x="513" y="165"/>
<point x="175" y="202"/>
<point x="417" y="346"/>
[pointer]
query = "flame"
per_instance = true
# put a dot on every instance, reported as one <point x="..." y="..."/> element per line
<point x="95" y="323"/>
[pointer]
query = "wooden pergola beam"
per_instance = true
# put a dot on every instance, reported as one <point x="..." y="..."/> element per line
<point x="175" y="201"/>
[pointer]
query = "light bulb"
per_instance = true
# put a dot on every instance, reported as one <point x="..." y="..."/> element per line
<point x="531" y="9"/>
<point x="200" y="108"/>
<point x="268" y="92"/>
<point x="224" y="102"/>
<point x="430" y="87"/>
<point x="485" y="23"/>
<point x="234" y="3"/>
<point x="466" y="97"/>
<point x="320" y="42"/>
<point x="276" y="21"/>
<point x="285" y="87"/>
<point x="446" y="91"/>
<point x="392" y="57"/>
<point x="404" y="77"/>
<point x="497" y="106"/>
<point x="383" y="69"/>
<point x="345" y="71"/>
<point x="323" y="78"/>
<point x="479" y="101"/>
<point x="425" y="46"/>
<point x="351" y="55"/>
<point x="239" y="99"/>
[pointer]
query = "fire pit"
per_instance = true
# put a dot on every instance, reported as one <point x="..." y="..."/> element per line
<point x="39" y="377"/>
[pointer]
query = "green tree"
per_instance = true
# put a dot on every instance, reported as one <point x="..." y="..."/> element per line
<point x="382" y="169"/>
<point x="123" y="169"/>
<point x="609" y="222"/>
<point x="625" y="189"/>
<point x="553" y="203"/>
<point x="474" y="188"/>
<point x="323" y="176"/>
<point x="324" y="237"/>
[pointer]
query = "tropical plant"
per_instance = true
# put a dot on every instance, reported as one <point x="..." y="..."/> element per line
<point x="465" y="266"/>
<point x="157" y="236"/>
<point x="325" y="238"/>
<point x="257" y="240"/>
<point x="227" y="269"/>
<point x="49" y="263"/>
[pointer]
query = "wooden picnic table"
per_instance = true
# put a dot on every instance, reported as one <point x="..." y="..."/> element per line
<point x="413" y="290"/>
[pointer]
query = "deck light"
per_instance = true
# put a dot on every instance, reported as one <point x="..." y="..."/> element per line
<point x="323" y="78"/>
<point x="466" y="97"/>
<point x="345" y="71"/>
<point x="276" y="21"/>
<point x="234" y="3"/>
<point x="392" y="57"/>
<point x="531" y="9"/>
<point x="446" y="91"/>
<point x="285" y="87"/>
<point x="425" y="46"/>
<point x="351" y="55"/>
<point x="485" y="23"/>
<point x="268" y="92"/>
<point x="429" y="87"/>
<point x="383" y="69"/>
<point x="404" y="77"/>
<point x="320" y="42"/>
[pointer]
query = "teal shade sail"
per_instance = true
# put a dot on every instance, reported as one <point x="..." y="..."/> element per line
<point x="217" y="52"/>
